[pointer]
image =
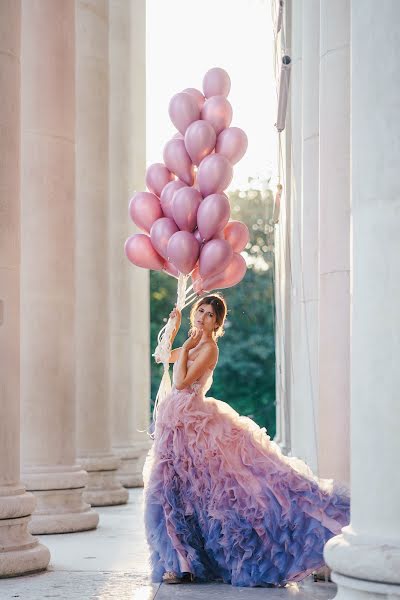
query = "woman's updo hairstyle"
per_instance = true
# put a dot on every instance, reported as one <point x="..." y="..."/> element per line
<point x="220" y="308"/>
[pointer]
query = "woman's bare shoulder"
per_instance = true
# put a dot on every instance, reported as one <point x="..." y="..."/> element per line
<point x="210" y="349"/>
<point x="205" y="349"/>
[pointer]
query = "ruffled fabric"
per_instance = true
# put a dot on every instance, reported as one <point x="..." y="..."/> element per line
<point x="223" y="502"/>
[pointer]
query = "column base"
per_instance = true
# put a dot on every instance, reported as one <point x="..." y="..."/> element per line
<point x="365" y="558"/>
<point x="130" y="473"/>
<point x="60" y="506"/>
<point x="361" y="589"/>
<point x="20" y="552"/>
<point x="24" y="562"/>
<point x="62" y="511"/>
<point x="104" y="487"/>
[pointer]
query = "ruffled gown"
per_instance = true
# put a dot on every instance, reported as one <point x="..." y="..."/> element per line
<point x="222" y="501"/>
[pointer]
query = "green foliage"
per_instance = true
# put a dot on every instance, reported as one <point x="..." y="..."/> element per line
<point x="245" y="375"/>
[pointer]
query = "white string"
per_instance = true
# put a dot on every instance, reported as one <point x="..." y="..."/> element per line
<point x="190" y="298"/>
<point x="190" y="302"/>
<point x="163" y="350"/>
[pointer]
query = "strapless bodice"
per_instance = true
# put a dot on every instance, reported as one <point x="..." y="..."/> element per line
<point x="201" y="385"/>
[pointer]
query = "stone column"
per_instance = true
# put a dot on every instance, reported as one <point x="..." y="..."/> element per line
<point x="280" y="363"/>
<point x="309" y="230"/>
<point x="366" y="557"/>
<point x="129" y="293"/>
<point x="334" y="223"/>
<point x="298" y="398"/>
<point x="92" y="290"/>
<point x="20" y="552"/>
<point x="47" y="282"/>
<point x="282" y="263"/>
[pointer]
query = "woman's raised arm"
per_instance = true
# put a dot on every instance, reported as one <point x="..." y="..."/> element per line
<point x="173" y="357"/>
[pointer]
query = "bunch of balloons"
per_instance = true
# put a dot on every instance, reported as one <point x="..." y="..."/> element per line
<point x="185" y="214"/>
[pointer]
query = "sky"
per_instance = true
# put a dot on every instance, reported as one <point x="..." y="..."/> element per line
<point x="185" y="38"/>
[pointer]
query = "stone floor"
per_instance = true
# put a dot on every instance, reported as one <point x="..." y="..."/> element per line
<point x="111" y="562"/>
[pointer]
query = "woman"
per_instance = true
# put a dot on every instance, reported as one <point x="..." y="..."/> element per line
<point x="222" y="502"/>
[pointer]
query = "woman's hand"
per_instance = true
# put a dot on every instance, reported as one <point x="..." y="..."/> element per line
<point x="193" y="339"/>
<point x="176" y="313"/>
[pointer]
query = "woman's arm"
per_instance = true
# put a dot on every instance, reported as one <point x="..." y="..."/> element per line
<point x="178" y="315"/>
<point x="185" y="376"/>
<point x="173" y="357"/>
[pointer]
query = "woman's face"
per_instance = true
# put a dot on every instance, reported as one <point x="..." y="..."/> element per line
<point x="205" y="318"/>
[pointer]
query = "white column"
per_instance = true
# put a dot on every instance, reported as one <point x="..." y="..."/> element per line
<point x="334" y="223"/>
<point x="20" y="552"/>
<point x="129" y="294"/>
<point x="92" y="290"/>
<point x="299" y="399"/>
<point x="309" y="232"/>
<point x="366" y="557"/>
<point x="280" y="363"/>
<point x="47" y="282"/>
<point x="282" y="263"/>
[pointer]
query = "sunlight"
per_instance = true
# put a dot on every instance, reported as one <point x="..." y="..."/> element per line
<point x="143" y="593"/>
<point x="185" y="38"/>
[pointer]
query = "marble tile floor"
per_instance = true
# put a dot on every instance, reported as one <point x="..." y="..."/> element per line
<point x="111" y="563"/>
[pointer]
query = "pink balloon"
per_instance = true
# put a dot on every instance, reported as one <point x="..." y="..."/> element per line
<point x="167" y="196"/>
<point x="184" y="208"/>
<point x="213" y="215"/>
<point x="232" y="143"/>
<point x="197" y="95"/>
<point x="232" y="275"/>
<point x="171" y="270"/>
<point x="139" y="250"/>
<point x="157" y="177"/>
<point x="144" y="209"/>
<point x="183" y="251"/>
<point x="177" y="136"/>
<point x="218" y="111"/>
<point x="160" y="233"/>
<point x="214" y="174"/>
<point x="237" y="234"/>
<point x="215" y="256"/>
<point x="216" y="82"/>
<point x="198" y="236"/>
<point x="218" y="236"/>
<point x="200" y="138"/>
<point x="183" y="110"/>
<point x="178" y="160"/>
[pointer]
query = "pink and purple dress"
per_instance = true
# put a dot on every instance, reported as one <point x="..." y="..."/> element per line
<point x="223" y="503"/>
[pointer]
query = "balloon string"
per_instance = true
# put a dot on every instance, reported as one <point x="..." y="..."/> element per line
<point x="160" y="333"/>
<point x="189" y="302"/>
<point x="190" y="297"/>
<point x="163" y="350"/>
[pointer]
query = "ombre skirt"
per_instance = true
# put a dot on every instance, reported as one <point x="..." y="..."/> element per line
<point x="223" y="503"/>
